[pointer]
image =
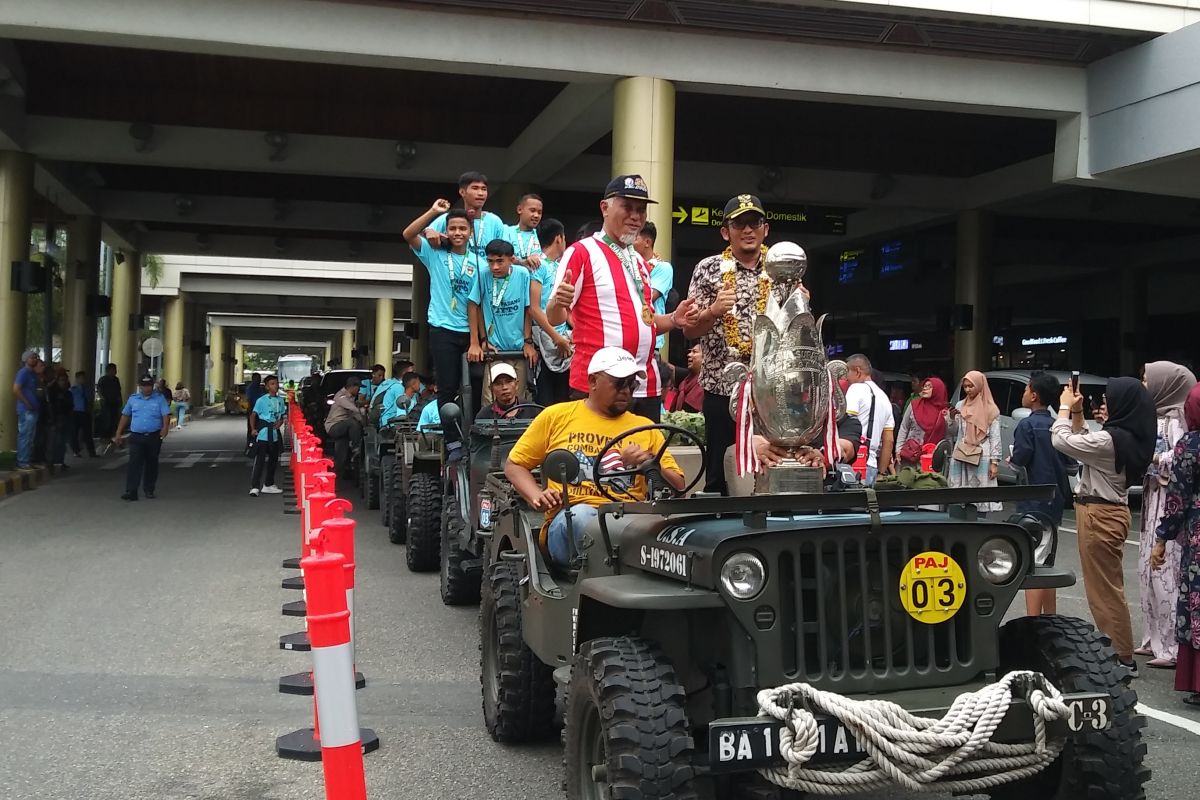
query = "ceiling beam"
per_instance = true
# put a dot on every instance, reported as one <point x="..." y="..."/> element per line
<point x="578" y="116"/>
<point x="394" y="36"/>
<point x="275" y="287"/>
<point x="281" y="322"/>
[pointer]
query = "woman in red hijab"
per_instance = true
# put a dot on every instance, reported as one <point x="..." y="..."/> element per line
<point x="923" y="423"/>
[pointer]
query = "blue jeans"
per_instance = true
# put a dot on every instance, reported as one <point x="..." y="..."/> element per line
<point x="181" y="410"/>
<point x="26" y="428"/>
<point x="556" y="534"/>
<point x="872" y="474"/>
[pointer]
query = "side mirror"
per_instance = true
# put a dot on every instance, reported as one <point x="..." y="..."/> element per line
<point x="450" y="412"/>
<point x="561" y="465"/>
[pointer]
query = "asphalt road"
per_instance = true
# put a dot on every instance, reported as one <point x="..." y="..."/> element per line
<point x="138" y="651"/>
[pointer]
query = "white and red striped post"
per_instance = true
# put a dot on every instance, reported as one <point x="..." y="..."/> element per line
<point x="333" y="674"/>
<point x="339" y="538"/>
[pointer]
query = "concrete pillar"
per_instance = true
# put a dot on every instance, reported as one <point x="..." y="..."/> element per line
<point x="174" y="339"/>
<point x="385" y="323"/>
<point x="644" y="144"/>
<point x="1133" y="321"/>
<point x="419" y="349"/>
<point x="126" y="301"/>
<point x="16" y="190"/>
<point x="216" y="354"/>
<point x="328" y="355"/>
<point x="972" y="276"/>
<point x="82" y="278"/>
<point x="239" y="357"/>
<point x="347" y="346"/>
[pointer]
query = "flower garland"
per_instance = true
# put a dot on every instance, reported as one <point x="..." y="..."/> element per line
<point x="742" y="345"/>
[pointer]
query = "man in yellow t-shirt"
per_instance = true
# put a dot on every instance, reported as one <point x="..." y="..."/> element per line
<point x="583" y="427"/>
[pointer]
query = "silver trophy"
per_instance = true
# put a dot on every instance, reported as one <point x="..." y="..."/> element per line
<point x="790" y="393"/>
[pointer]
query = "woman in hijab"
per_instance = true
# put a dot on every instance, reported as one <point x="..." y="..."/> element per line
<point x="923" y="422"/>
<point x="1181" y="524"/>
<point x="1114" y="458"/>
<point x="1169" y="385"/>
<point x="974" y="427"/>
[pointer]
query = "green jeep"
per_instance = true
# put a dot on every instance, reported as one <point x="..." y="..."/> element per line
<point x="415" y="496"/>
<point x="739" y="647"/>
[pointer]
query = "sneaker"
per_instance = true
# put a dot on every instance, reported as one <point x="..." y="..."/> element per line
<point x="129" y="496"/>
<point x="177" y="428"/>
<point x="254" y="492"/>
<point x="149" y="495"/>
<point x="24" y="468"/>
<point x="272" y="490"/>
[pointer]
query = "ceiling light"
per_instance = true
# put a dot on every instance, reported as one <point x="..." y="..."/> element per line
<point x="184" y="205"/>
<point x="278" y="142"/>
<point x="142" y="134"/>
<point x="769" y="178"/>
<point x="280" y="244"/>
<point x="354" y="248"/>
<point x="375" y="215"/>
<point x="406" y="154"/>
<point x="282" y="207"/>
<point x="203" y="242"/>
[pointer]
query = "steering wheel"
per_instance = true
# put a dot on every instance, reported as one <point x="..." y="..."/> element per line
<point x="509" y="413"/>
<point x="650" y="469"/>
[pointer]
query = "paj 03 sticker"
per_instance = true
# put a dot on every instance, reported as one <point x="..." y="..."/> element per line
<point x="932" y="587"/>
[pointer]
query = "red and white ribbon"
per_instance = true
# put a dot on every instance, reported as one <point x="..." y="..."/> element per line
<point x="745" y="458"/>
<point x="832" y="452"/>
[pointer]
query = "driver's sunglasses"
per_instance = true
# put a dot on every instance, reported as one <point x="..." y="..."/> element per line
<point x="621" y="384"/>
<point x="743" y="224"/>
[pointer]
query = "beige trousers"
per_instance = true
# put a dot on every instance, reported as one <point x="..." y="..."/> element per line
<point x="1103" y="530"/>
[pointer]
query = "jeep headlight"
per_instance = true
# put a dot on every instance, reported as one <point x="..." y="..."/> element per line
<point x="743" y="575"/>
<point x="998" y="560"/>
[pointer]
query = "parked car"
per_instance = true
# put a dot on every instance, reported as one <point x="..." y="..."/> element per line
<point x="317" y="403"/>
<point x="1008" y="385"/>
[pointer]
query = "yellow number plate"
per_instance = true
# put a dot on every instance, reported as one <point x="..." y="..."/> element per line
<point x="932" y="587"/>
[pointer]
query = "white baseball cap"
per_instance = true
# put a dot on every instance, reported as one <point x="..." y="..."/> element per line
<point x="616" y="362"/>
<point x="501" y="368"/>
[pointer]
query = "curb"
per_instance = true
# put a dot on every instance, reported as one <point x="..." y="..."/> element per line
<point x="17" y="482"/>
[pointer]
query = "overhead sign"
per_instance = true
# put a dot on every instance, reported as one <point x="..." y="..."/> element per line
<point x="899" y="344"/>
<point x="798" y="219"/>
<point x="153" y="347"/>
<point x="1039" y="341"/>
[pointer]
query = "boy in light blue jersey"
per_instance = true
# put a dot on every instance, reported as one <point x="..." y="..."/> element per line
<point x="400" y="398"/>
<point x="431" y="417"/>
<point x="500" y="318"/>
<point x="378" y="377"/>
<point x="485" y="226"/>
<point x="267" y="417"/>
<point x="553" y="342"/>
<point x="662" y="274"/>
<point x="453" y="272"/>
<point x="524" y="235"/>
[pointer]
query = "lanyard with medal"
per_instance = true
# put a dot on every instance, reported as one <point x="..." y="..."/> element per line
<point x="454" y="273"/>
<point x="635" y="275"/>
<point x="525" y="240"/>
<point x="497" y="299"/>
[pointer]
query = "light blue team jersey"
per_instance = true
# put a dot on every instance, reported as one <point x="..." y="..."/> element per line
<point x="146" y="413"/>
<point x="503" y="302"/>
<point x="448" y="296"/>
<point x="662" y="280"/>
<point x="269" y="409"/>
<point x="545" y="275"/>
<point x="431" y="416"/>
<point x="487" y="227"/>
<point x="391" y="410"/>
<point x="525" y="243"/>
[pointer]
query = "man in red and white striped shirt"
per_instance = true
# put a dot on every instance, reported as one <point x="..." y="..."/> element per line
<point x="606" y="285"/>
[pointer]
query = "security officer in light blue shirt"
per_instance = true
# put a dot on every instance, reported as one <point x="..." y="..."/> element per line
<point x="147" y="416"/>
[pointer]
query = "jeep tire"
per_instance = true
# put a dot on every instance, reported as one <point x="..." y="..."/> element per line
<point x="424" y="522"/>
<point x="398" y="516"/>
<point x="1098" y="765"/>
<point x="371" y="488"/>
<point x="518" y="689"/>
<point x="457" y="587"/>
<point x="385" y="488"/>
<point x="627" y="733"/>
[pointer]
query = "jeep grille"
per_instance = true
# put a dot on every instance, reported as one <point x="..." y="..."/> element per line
<point x="842" y="624"/>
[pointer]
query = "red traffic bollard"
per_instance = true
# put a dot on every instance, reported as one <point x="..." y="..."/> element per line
<point x="341" y="742"/>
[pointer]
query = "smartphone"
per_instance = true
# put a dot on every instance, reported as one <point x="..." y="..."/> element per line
<point x="1075" y="381"/>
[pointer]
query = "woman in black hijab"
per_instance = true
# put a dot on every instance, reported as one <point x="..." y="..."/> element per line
<point x="1113" y="459"/>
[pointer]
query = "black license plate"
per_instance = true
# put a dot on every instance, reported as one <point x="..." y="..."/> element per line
<point x="749" y="743"/>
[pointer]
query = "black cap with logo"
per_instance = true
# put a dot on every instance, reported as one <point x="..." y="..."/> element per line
<point x="743" y="204"/>
<point x="631" y="186"/>
<point x="147" y="378"/>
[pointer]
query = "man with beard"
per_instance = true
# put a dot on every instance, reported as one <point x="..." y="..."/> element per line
<point x="583" y="427"/>
<point x="606" y="284"/>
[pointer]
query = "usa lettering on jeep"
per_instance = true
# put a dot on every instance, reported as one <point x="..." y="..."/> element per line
<point x="666" y="561"/>
<point x="677" y="535"/>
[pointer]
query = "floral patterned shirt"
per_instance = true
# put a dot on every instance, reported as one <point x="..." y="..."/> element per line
<point x="706" y="282"/>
